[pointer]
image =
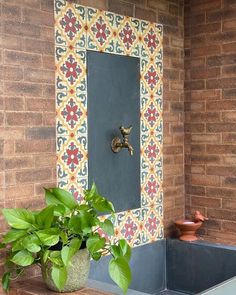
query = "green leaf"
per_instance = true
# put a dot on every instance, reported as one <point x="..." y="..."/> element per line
<point x="95" y="243"/>
<point x="89" y="194"/>
<point x="2" y="245"/>
<point x="49" y="237"/>
<point x="6" y="281"/>
<point x="125" y="248"/>
<point x="75" y="245"/>
<point x="120" y="273"/>
<point x="23" y="258"/>
<point x="60" y="210"/>
<point x="55" y="258"/>
<point x="59" y="276"/>
<point x="74" y="224"/>
<point x="17" y="246"/>
<point x="64" y="198"/>
<point x="31" y="243"/>
<point x="103" y="205"/>
<point x="45" y="217"/>
<point x="107" y="227"/>
<point x="116" y="251"/>
<point x="65" y="255"/>
<point x="96" y="256"/>
<point x="13" y="235"/>
<point x="19" y="218"/>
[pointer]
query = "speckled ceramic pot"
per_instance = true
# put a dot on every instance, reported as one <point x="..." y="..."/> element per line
<point x="77" y="273"/>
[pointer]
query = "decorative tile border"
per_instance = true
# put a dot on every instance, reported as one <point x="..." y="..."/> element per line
<point x="77" y="29"/>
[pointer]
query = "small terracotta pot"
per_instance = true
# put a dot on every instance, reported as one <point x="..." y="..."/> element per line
<point x="188" y="229"/>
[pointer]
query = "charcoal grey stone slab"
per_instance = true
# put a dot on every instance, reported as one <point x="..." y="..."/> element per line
<point x="148" y="266"/>
<point x="194" y="267"/>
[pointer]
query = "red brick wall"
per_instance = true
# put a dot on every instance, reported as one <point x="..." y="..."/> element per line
<point x="210" y="112"/>
<point x="27" y="101"/>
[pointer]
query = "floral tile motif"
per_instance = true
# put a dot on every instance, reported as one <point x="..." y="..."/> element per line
<point x="70" y="24"/>
<point x="100" y="35"/>
<point x="152" y="38"/>
<point x="72" y="157"/>
<point x="152" y="224"/>
<point x="128" y="226"/>
<point x="70" y="70"/>
<point x="78" y="29"/>
<point x="128" y="35"/>
<point x="72" y="116"/>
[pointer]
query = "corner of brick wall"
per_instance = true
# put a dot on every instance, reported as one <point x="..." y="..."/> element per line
<point x="210" y="115"/>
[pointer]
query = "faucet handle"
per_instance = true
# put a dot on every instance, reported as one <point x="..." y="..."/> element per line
<point x="125" y="131"/>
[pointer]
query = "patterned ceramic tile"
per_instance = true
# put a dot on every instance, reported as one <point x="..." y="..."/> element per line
<point x="70" y="24"/>
<point x="72" y="115"/>
<point x="128" y="226"/>
<point x="70" y="69"/>
<point x="152" y="225"/>
<point x="72" y="159"/>
<point x="127" y="30"/>
<point x="100" y="35"/>
<point x="152" y="37"/>
<point x="79" y="29"/>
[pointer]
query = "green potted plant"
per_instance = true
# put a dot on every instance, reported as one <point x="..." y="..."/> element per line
<point x="61" y="239"/>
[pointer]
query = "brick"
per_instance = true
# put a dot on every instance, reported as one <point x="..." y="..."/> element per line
<point x="229" y="181"/>
<point x="12" y="42"/>
<point x="12" y="73"/>
<point x="220" y="127"/>
<point x="229" y="204"/>
<point x="158" y="5"/>
<point x="34" y="146"/>
<point x="205" y="138"/>
<point x="229" y="226"/>
<point x="206" y="29"/>
<point x="229" y="25"/>
<point x="121" y="7"/>
<point x="11" y="12"/>
<point x="21" y="29"/>
<point x="14" y="103"/>
<point x="100" y="4"/>
<point x="22" y="89"/>
<point x="195" y="190"/>
<point x="221" y="214"/>
<point x="19" y="191"/>
<point x="205" y="202"/>
<point x="39" y="76"/>
<point x="197" y="127"/>
<point x="229" y="138"/>
<point x="48" y="160"/>
<point x="39" y="46"/>
<point x="205" y="159"/>
<point x="221" y="83"/>
<point x="40" y="133"/>
<point x="23" y="119"/>
<point x="220" y="192"/>
<point x="205" y="73"/>
<point x="229" y="116"/>
<point x="145" y="14"/>
<point x="229" y="47"/>
<point x="18" y="163"/>
<point x="33" y="175"/>
<point x="209" y="180"/>
<point x="221" y="170"/>
<point x="202" y="117"/>
<point x="40" y="105"/>
<point x="205" y="5"/>
<point x="37" y="17"/>
<point x="220" y="149"/>
<point x="167" y="19"/>
<point x="22" y="58"/>
<point x="206" y="50"/>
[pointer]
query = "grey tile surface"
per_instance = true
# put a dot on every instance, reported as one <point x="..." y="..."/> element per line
<point x="170" y="292"/>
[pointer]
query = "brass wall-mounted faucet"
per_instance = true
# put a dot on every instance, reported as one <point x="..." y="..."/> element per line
<point x="117" y="144"/>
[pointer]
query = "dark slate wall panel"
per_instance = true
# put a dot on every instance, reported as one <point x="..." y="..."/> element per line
<point x="114" y="100"/>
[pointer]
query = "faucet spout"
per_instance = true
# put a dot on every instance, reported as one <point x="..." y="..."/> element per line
<point x="117" y="144"/>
